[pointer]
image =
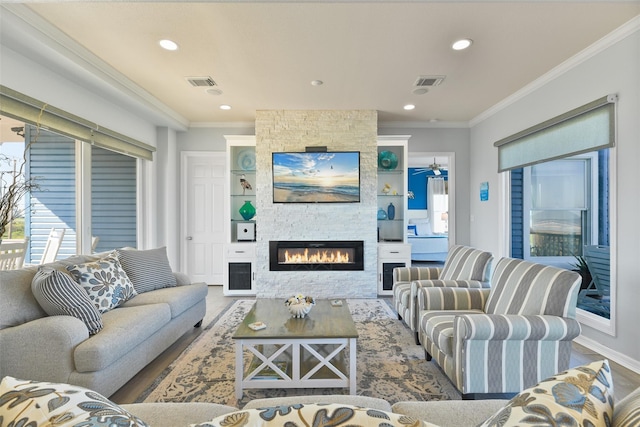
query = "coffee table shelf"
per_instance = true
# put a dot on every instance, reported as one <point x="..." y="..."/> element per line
<point x="319" y="350"/>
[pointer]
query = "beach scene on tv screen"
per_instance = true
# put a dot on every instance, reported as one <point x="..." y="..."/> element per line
<point x="316" y="177"/>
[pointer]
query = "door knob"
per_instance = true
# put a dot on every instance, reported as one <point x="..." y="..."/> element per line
<point x="189" y="238"/>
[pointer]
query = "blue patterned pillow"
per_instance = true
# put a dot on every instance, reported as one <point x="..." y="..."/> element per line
<point x="105" y="281"/>
<point x="58" y="294"/>
<point x="581" y="396"/>
<point x="313" y="415"/>
<point x="33" y="403"/>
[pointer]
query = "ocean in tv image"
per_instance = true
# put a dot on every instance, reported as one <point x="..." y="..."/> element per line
<point x="328" y="177"/>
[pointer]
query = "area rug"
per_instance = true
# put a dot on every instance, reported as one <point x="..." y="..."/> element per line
<point x="390" y="365"/>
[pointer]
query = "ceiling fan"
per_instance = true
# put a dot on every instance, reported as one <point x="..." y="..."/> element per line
<point x="434" y="167"/>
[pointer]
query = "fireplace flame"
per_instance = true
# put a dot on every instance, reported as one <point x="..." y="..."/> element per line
<point x="317" y="257"/>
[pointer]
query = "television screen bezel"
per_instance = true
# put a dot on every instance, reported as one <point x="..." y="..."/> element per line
<point x="314" y="153"/>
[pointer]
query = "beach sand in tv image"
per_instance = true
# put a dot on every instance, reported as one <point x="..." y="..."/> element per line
<point x="332" y="177"/>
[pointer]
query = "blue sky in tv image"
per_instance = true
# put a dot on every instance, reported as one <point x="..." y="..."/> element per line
<point x="333" y="172"/>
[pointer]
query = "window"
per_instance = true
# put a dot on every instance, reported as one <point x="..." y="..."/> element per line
<point x="562" y="198"/>
<point x="560" y="214"/>
<point x="58" y="203"/>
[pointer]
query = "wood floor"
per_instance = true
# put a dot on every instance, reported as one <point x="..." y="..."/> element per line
<point x="625" y="380"/>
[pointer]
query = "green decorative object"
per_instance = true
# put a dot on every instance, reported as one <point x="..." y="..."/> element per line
<point x="247" y="210"/>
<point x="387" y="160"/>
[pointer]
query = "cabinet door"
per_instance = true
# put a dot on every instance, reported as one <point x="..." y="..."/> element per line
<point x="240" y="276"/>
<point x="387" y="274"/>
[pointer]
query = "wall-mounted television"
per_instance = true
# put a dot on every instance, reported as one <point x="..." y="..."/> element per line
<point x="316" y="177"/>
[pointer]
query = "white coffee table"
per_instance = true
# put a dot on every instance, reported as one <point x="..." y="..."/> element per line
<point x="318" y="351"/>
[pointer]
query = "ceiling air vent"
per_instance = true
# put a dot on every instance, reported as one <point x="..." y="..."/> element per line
<point x="428" y="81"/>
<point x="201" y="81"/>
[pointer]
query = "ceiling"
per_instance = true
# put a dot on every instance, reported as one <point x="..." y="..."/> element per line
<point x="263" y="55"/>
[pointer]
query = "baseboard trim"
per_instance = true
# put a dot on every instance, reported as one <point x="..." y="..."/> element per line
<point x="610" y="354"/>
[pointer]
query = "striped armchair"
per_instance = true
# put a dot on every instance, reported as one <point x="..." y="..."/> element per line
<point x="499" y="341"/>
<point x="464" y="267"/>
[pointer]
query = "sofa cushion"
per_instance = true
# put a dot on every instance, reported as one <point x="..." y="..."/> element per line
<point x="177" y="414"/>
<point x="179" y="299"/>
<point x="33" y="403"/>
<point x="105" y="281"/>
<point x="438" y="327"/>
<point x="147" y="269"/>
<point x="58" y="294"/>
<point x="17" y="303"/>
<point x="626" y="412"/>
<point x="355" y="400"/>
<point x="465" y="263"/>
<point x="527" y="288"/>
<point x="124" y="329"/>
<point x="312" y="415"/>
<point x="581" y="396"/>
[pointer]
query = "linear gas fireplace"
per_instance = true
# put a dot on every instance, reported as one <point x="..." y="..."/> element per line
<point x="292" y="255"/>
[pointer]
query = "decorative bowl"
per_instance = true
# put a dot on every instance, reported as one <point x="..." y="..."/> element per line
<point x="299" y="305"/>
<point x="247" y="160"/>
<point x="387" y="160"/>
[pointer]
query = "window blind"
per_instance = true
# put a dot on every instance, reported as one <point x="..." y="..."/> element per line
<point x="24" y="108"/>
<point x="590" y="127"/>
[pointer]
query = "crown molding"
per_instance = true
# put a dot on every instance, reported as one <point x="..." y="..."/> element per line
<point x="424" y="124"/>
<point x="622" y="32"/>
<point x="54" y="39"/>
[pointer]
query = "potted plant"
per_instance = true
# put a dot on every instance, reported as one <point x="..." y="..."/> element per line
<point x="581" y="267"/>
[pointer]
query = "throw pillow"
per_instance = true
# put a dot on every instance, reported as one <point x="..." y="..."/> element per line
<point x="581" y="396"/>
<point x="627" y="410"/>
<point x="58" y="294"/>
<point x="33" y="403"/>
<point x="312" y="415"/>
<point x="147" y="269"/>
<point x="105" y="281"/>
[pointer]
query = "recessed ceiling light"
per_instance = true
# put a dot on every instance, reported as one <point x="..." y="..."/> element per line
<point x="168" y="44"/>
<point x="225" y="107"/>
<point x="409" y="107"/>
<point x="461" y="44"/>
<point x="317" y="83"/>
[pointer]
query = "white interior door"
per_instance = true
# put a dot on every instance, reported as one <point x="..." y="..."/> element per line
<point x="203" y="231"/>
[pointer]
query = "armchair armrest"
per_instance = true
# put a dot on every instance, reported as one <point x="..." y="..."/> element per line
<point x="414" y="310"/>
<point x="437" y="298"/>
<point x="41" y="349"/>
<point x="513" y="327"/>
<point x="506" y="353"/>
<point x="408" y="274"/>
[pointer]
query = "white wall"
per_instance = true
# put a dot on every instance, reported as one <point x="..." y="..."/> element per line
<point x="613" y="66"/>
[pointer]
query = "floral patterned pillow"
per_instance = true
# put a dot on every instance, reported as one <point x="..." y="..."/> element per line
<point x="581" y="396"/>
<point x="334" y="415"/>
<point x="105" y="281"/>
<point x="33" y="403"/>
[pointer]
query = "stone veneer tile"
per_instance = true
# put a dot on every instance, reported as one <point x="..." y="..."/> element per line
<point x="278" y="130"/>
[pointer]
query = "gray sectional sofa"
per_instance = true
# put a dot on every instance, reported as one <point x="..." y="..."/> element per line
<point x="582" y="396"/>
<point x="61" y="348"/>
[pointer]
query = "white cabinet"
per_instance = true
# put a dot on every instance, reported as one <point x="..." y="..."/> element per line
<point x="240" y="250"/>
<point x="240" y="269"/>
<point x="390" y="256"/>
<point x="393" y="250"/>
<point x="391" y="188"/>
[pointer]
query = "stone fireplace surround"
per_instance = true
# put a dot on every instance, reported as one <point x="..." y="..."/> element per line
<point x="352" y="130"/>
